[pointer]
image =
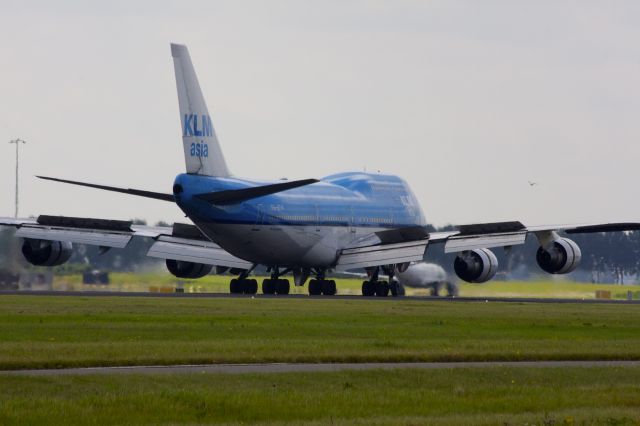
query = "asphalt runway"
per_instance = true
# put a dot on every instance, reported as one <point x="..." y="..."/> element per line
<point x="308" y="368"/>
<point x="304" y="296"/>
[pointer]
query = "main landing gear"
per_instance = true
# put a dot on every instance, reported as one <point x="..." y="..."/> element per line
<point x="275" y="284"/>
<point x="322" y="286"/>
<point x="376" y="287"/>
<point x="243" y="284"/>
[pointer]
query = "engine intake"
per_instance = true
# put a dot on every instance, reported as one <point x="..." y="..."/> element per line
<point x="45" y="252"/>
<point x="182" y="269"/>
<point x="561" y="256"/>
<point x="476" y="266"/>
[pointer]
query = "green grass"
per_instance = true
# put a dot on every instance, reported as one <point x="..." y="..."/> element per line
<point x="504" y="396"/>
<point x="220" y="284"/>
<point x="39" y="331"/>
<point x="548" y="289"/>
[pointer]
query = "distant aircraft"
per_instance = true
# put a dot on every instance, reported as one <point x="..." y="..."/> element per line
<point x="428" y="276"/>
<point x="307" y="227"/>
<point x="532" y="183"/>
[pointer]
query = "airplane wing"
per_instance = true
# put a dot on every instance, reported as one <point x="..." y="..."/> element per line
<point x="179" y="242"/>
<point x="504" y="234"/>
<point x="409" y="244"/>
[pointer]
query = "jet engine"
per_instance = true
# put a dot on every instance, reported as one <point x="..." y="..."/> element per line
<point x="45" y="252"/>
<point x="182" y="269"/>
<point x="476" y="266"/>
<point x="561" y="256"/>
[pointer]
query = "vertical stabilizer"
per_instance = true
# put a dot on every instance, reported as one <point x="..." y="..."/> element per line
<point x="202" y="152"/>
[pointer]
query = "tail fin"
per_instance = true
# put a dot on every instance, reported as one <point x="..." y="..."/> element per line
<point x="202" y="152"/>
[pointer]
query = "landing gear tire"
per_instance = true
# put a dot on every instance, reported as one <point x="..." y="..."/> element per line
<point x="382" y="289"/>
<point x="435" y="289"/>
<point x="329" y="287"/>
<point x="246" y="286"/>
<point x="235" y="287"/>
<point x="452" y="289"/>
<point x="268" y="286"/>
<point x="250" y="286"/>
<point x="368" y="288"/>
<point x="282" y="286"/>
<point x="315" y="288"/>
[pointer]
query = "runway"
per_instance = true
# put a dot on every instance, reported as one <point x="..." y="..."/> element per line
<point x="307" y="297"/>
<point x="310" y="368"/>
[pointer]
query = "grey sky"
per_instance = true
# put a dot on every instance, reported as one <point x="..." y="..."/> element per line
<point x="465" y="100"/>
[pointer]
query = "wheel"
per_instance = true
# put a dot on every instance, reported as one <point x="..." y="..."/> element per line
<point x="315" y="287"/>
<point x="382" y="289"/>
<point x="435" y="289"/>
<point x="282" y="286"/>
<point x="250" y="286"/>
<point x="401" y="290"/>
<point x="235" y="287"/>
<point x="452" y="289"/>
<point x="395" y="289"/>
<point x="268" y="286"/>
<point x="368" y="288"/>
<point x="329" y="288"/>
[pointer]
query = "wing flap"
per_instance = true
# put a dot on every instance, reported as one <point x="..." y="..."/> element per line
<point x="461" y="243"/>
<point x="195" y="251"/>
<point x="96" y="238"/>
<point x="363" y="257"/>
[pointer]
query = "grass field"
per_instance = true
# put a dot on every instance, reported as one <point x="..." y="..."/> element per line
<point x="65" y="331"/>
<point x="40" y="331"/>
<point x="609" y="396"/>
<point x="220" y="284"/>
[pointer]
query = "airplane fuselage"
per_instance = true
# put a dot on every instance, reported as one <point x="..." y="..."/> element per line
<point x="305" y="226"/>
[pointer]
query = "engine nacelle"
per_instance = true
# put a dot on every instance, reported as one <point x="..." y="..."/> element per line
<point x="476" y="266"/>
<point x="182" y="269"/>
<point x="561" y="256"/>
<point x="45" y="252"/>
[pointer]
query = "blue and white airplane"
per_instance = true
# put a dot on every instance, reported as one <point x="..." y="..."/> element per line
<point x="307" y="227"/>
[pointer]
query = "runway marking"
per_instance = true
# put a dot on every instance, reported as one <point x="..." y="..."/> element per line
<point x="307" y="297"/>
<point x="309" y="367"/>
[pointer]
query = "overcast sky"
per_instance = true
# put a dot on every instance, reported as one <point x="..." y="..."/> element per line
<point x="468" y="101"/>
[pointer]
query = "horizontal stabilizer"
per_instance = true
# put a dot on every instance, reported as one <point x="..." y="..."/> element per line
<point x="234" y="196"/>
<point x="138" y="192"/>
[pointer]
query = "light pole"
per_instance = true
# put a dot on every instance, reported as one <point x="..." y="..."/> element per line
<point x="17" y="142"/>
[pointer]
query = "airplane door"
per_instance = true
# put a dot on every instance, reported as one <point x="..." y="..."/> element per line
<point x="352" y="225"/>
